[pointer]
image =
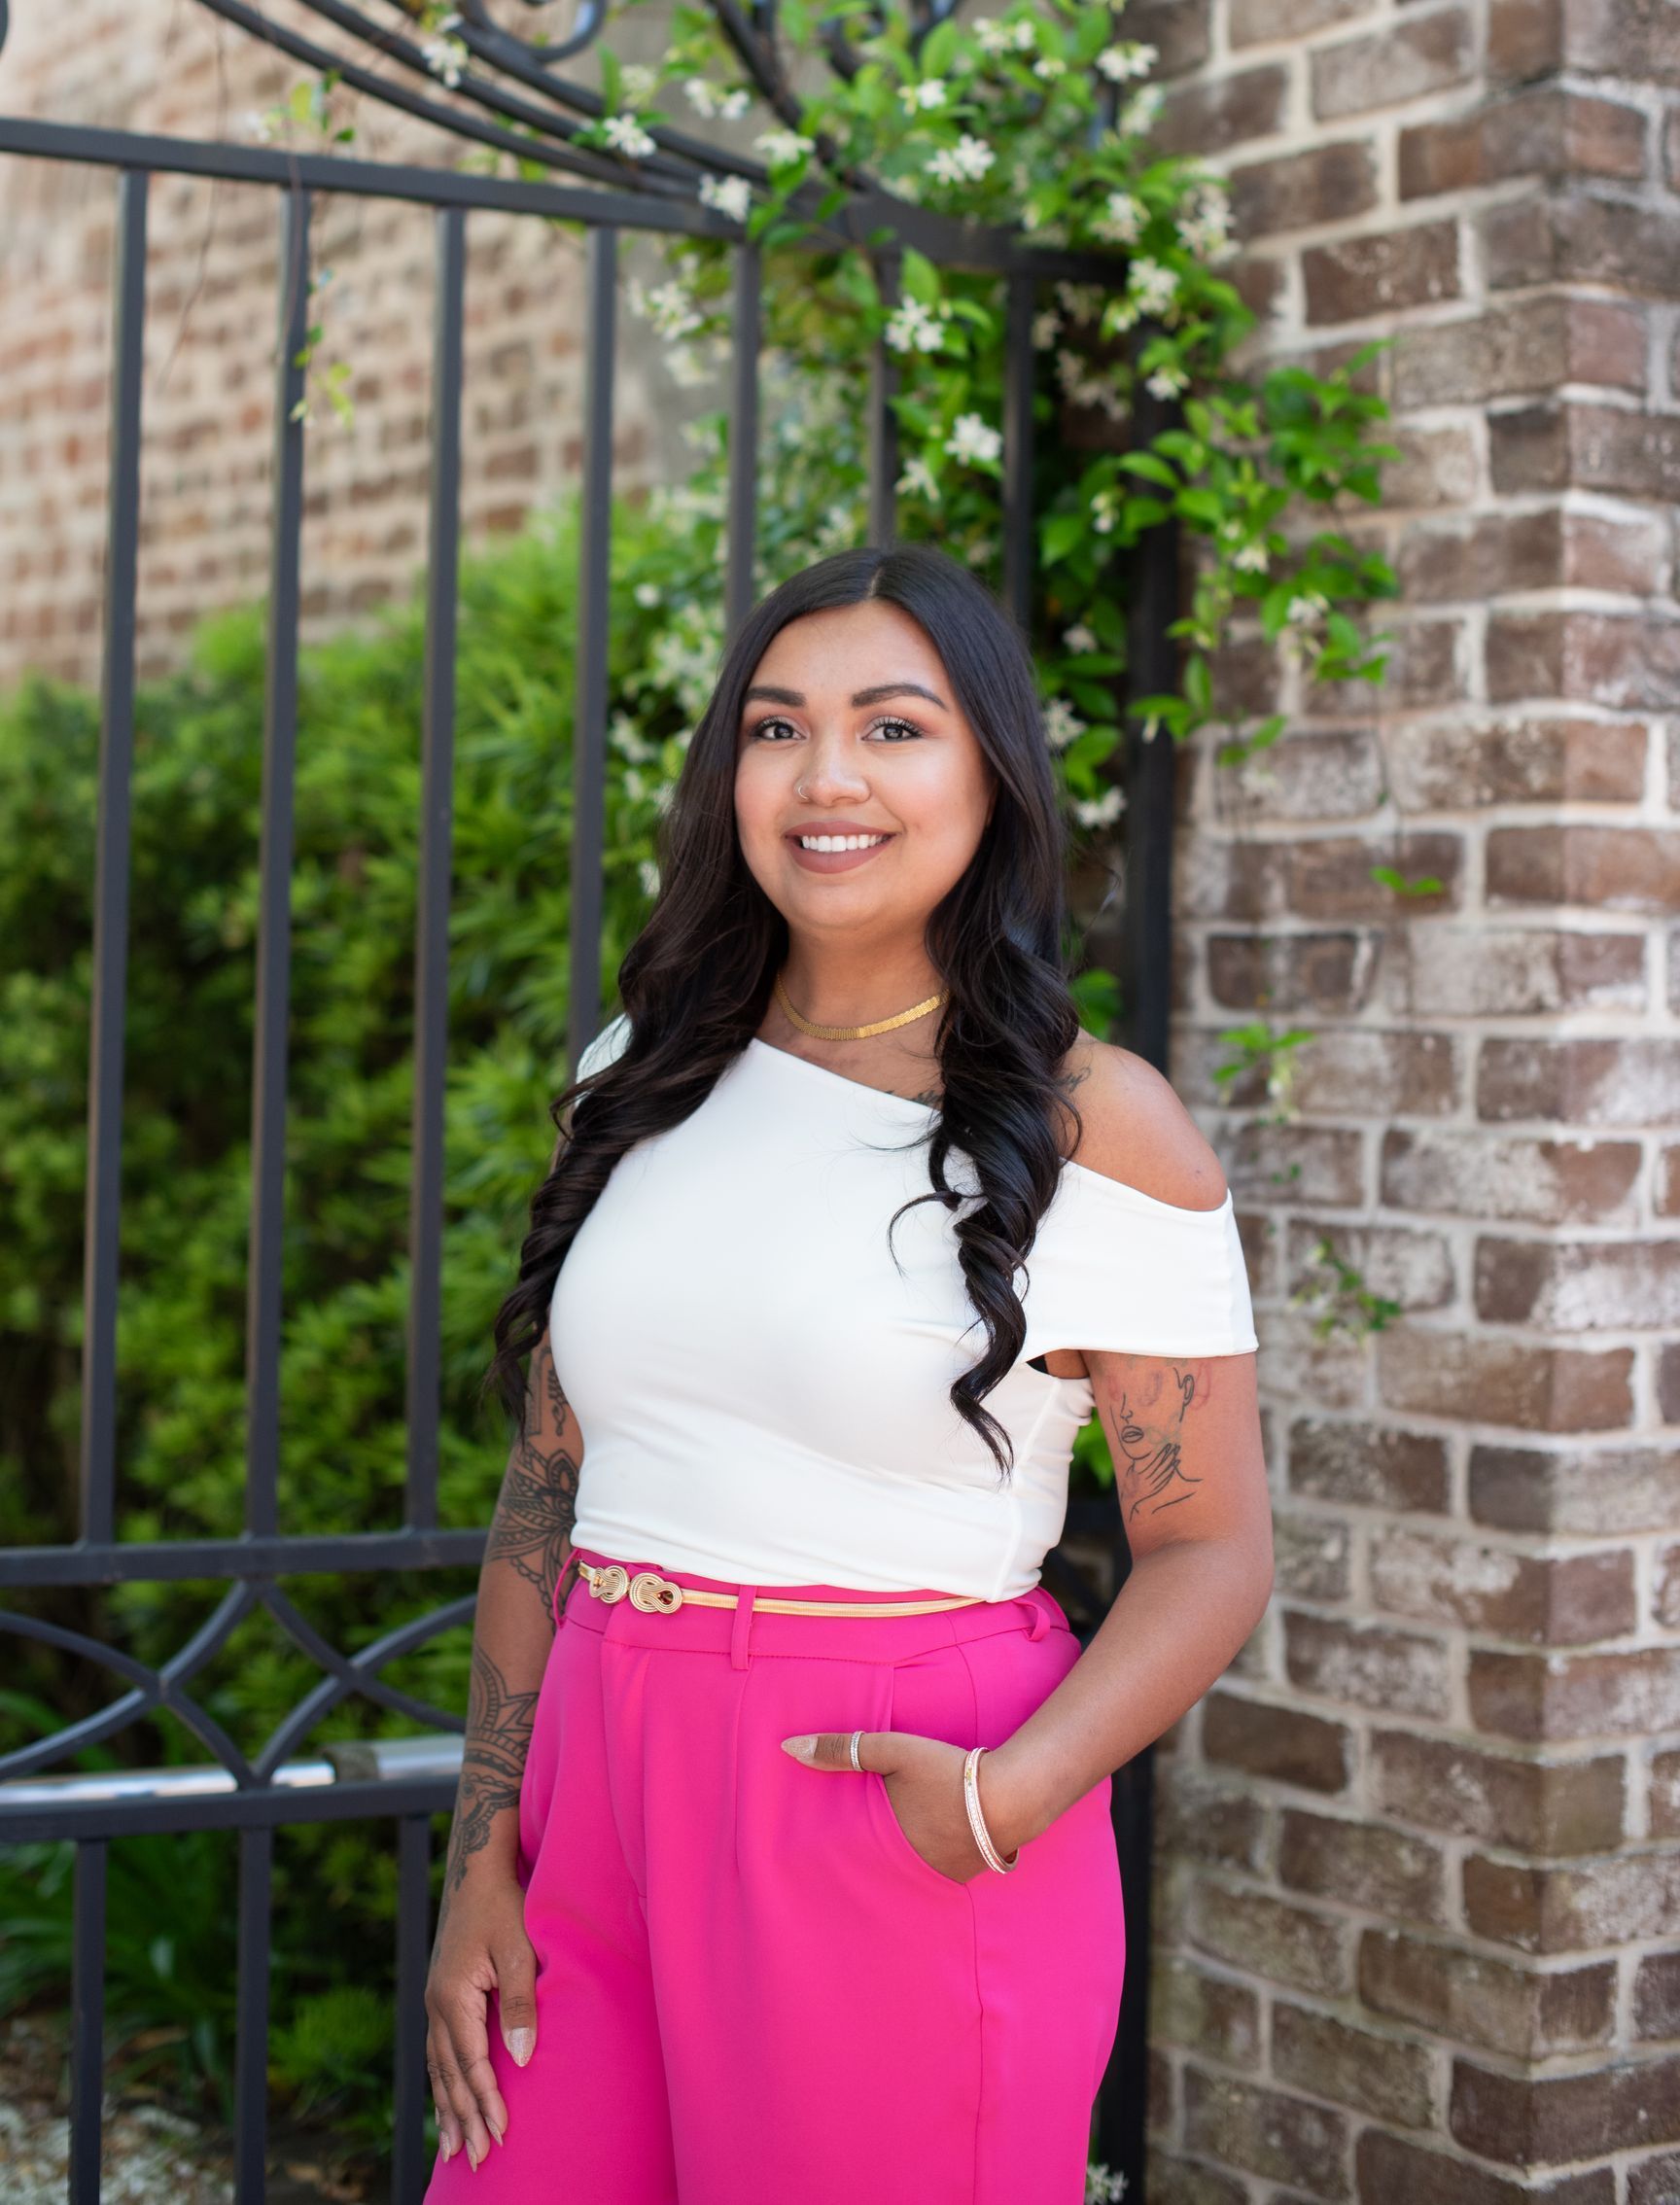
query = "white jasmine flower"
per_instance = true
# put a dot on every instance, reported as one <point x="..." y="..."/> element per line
<point x="648" y="873"/>
<point x="639" y="82"/>
<point x="625" y="135"/>
<point x="258" y="126"/>
<point x="1100" y="811"/>
<point x="1122" y="219"/>
<point x="911" y="327"/>
<point x="731" y="195"/>
<point x="1023" y="35"/>
<point x="974" y="439"/>
<point x="930" y="92"/>
<point x="1166" y="382"/>
<point x="992" y="36"/>
<point x="627" y="739"/>
<point x="917" y="480"/>
<point x="734" y="104"/>
<point x="1050" y="66"/>
<point x="1252" y="559"/>
<point x="1153" y="286"/>
<point x="702" y="97"/>
<point x="1304" y="610"/>
<point x="1130" y="58"/>
<point x="669" y="308"/>
<point x="1205" y="226"/>
<point x="446" y="58"/>
<point x="1061" y="723"/>
<point x="1104" y="510"/>
<point x="782" y="146"/>
<point x="1141" y="112"/>
<point x="982" y="551"/>
<point x="964" y="163"/>
<point x="1079" y="637"/>
<point x="646" y="593"/>
<point x="1044" y="327"/>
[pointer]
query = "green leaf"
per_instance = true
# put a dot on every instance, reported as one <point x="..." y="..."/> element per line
<point x="940" y="49"/>
<point x="1422" y="884"/>
<point x="1058" y="534"/>
<point x="1151" y="467"/>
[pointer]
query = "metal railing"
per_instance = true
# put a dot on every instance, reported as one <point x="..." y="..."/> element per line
<point x="412" y="1780"/>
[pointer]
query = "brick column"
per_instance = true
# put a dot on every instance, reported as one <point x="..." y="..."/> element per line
<point x="1418" y="1921"/>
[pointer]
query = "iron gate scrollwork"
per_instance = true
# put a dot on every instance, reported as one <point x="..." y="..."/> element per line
<point x="508" y="94"/>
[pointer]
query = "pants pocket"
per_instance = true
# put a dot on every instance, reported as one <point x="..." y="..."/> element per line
<point x="977" y="1691"/>
<point x="887" y="1820"/>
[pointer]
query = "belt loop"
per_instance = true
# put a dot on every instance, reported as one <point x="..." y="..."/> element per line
<point x="1034" y="1602"/>
<point x="740" y="1630"/>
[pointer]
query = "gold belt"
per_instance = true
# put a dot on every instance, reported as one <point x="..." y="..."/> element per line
<point x="657" y="1595"/>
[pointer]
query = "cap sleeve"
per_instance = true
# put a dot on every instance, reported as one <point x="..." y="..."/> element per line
<point x="1113" y="1269"/>
<point x="608" y="1045"/>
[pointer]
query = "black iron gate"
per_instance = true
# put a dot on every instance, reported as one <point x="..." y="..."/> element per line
<point x="412" y="1779"/>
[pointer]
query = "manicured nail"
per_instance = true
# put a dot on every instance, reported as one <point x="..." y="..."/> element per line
<point x="491" y="2126"/>
<point x="802" y="1749"/>
<point x="446" y="2146"/>
<point x="521" y="2043"/>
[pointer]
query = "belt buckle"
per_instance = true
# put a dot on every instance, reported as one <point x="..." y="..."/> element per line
<point x="610" y="1583"/>
<point x="653" y="1594"/>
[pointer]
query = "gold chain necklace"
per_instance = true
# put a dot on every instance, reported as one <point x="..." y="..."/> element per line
<point x="856" y="1033"/>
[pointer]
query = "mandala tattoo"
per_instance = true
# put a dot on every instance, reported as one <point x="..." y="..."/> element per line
<point x="1147" y="1443"/>
<point x="531" y="1533"/>
<point x="498" y="1725"/>
<point x="532" y="1528"/>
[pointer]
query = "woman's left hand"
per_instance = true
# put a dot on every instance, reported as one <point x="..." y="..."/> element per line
<point x="924" y="1781"/>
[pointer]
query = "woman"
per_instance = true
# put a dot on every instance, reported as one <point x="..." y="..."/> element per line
<point x="771" y="1494"/>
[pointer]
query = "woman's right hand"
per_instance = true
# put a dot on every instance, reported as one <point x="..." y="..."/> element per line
<point x="482" y="1946"/>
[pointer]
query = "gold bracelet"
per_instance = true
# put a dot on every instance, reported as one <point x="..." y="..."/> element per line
<point x="977" y="1821"/>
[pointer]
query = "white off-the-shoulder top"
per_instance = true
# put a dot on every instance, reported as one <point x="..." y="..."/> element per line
<point x="763" y="1392"/>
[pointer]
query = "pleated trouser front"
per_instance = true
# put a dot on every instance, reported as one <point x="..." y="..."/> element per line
<point x="750" y="1989"/>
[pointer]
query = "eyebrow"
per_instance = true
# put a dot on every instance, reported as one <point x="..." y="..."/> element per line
<point x="876" y="695"/>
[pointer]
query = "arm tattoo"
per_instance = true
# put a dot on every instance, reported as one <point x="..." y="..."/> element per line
<point x="492" y="1762"/>
<point x="531" y="1533"/>
<point x="538" y="1502"/>
<point x="1145" y="1428"/>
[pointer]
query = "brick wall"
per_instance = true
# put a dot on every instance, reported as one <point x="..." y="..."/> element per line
<point x="171" y="67"/>
<point x="1420" y="1896"/>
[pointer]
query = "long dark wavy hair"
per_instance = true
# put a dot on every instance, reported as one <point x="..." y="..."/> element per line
<point x="696" y="982"/>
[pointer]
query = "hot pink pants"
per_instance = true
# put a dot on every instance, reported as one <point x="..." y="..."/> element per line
<point x="750" y="1989"/>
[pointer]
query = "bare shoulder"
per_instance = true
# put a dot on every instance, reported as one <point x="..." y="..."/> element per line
<point x="1135" y="1129"/>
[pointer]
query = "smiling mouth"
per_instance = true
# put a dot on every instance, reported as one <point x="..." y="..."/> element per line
<point x="837" y="842"/>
